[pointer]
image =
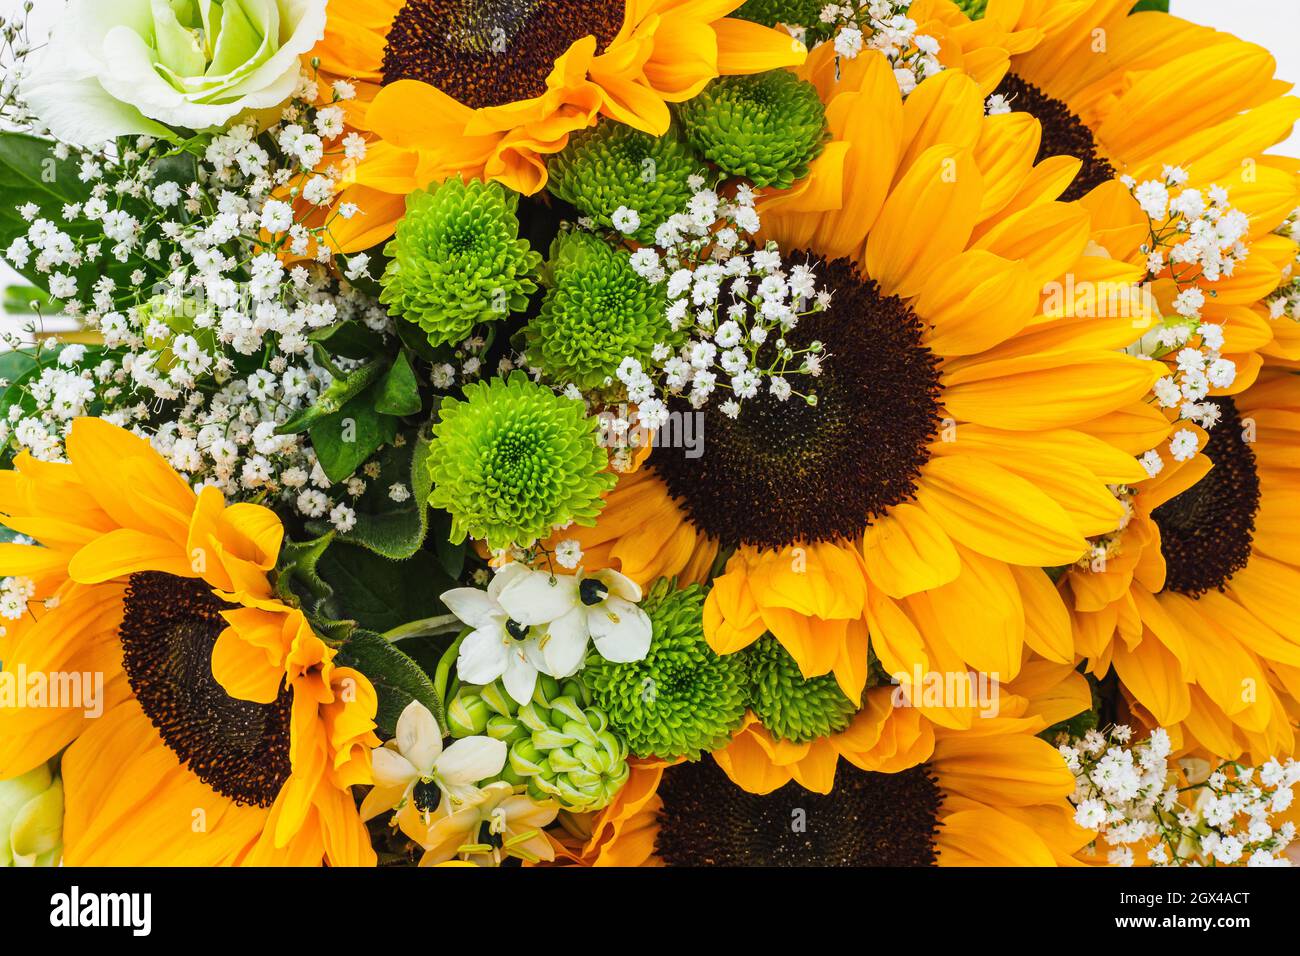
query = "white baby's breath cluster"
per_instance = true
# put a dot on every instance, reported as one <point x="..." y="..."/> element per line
<point x="207" y="299"/>
<point x="1102" y="548"/>
<point x="15" y="593"/>
<point x="1192" y="242"/>
<point x="737" y="303"/>
<point x="884" y="25"/>
<point x="1285" y="302"/>
<point x="1188" y="814"/>
<point x="1194" y="239"/>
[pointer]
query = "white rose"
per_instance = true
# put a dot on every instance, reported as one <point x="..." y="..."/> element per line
<point x="124" y="67"/>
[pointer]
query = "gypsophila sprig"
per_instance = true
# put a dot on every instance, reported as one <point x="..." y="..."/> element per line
<point x="1285" y="302"/>
<point x="1194" y="238"/>
<point x="200" y="265"/>
<point x="1187" y="813"/>
<point x="734" y="302"/>
<point x="883" y="25"/>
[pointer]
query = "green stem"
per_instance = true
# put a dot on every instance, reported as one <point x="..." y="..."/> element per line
<point x="425" y="627"/>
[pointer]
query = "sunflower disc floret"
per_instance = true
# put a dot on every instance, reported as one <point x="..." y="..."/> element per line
<point x="788" y="705"/>
<point x="766" y="128"/>
<point x="561" y="746"/>
<point x="682" y="699"/>
<point x="597" y="312"/>
<point x="612" y="166"/>
<point x="513" y="461"/>
<point x="457" y="260"/>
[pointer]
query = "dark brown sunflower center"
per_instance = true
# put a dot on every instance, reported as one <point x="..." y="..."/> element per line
<point x="787" y="471"/>
<point x="1064" y="134"/>
<point x="492" y="52"/>
<point x="868" y="819"/>
<point x="1206" y="532"/>
<point x="239" y="748"/>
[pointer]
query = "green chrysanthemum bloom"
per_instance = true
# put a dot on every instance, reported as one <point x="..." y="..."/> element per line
<point x="612" y="165"/>
<point x="973" y="8"/>
<point x="792" y="13"/>
<point x="682" y="699"/>
<point x="561" y="747"/>
<point x="514" y="461"/>
<point x="788" y="705"/>
<point x="597" y="311"/>
<point x="457" y="260"/>
<point x="767" y="127"/>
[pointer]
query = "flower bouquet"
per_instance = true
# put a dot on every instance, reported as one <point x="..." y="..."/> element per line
<point x="636" y="432"/>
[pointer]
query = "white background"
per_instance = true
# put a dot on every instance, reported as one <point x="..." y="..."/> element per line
<point x="1273" y="24"/>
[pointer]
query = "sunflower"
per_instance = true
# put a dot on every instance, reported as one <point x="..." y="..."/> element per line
<point x="949" y="404"/>
<point x="489" y="88"/>
<point x="228" y="733"/>
<point x="993" y="795"/>
<point x="1134" y="96"/>
<point x="1192" y="602"/>
<point x="887" y="735"/>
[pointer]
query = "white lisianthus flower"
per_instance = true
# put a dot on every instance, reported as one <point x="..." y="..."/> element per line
<point x="127" y="67"/>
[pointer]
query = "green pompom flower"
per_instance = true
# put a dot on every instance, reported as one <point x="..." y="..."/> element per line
<point x="612" y="165"/>
<point x="792" y="13"/>
<point x="682" y="699"/>
<point x="514" y="461"/>
<point x="561" y="747"/>
<point x="597" y="311"/>
<point x="788" y="705"/>
<point x="457" y="260"/>
<point x="767" y="127"/>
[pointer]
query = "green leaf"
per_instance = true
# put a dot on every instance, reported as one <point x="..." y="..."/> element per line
<point x="399" y="392"/>
<point x="296" y="577"/>
<point x="397" y="679"/>
<point x="345" y="440"/>
<point x="19" y="299"/>
<point x="415" y="339"/>
<point x="450" y="556"/>
<point x="1162" y="5"/>
<point x="29" y="172"/>
<point x="380" y="594"/>
<point x="351" y="339"/>
<point x="16" y="364"/>
<point x="333" y="399"/>
<point x="395" y="530"/>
